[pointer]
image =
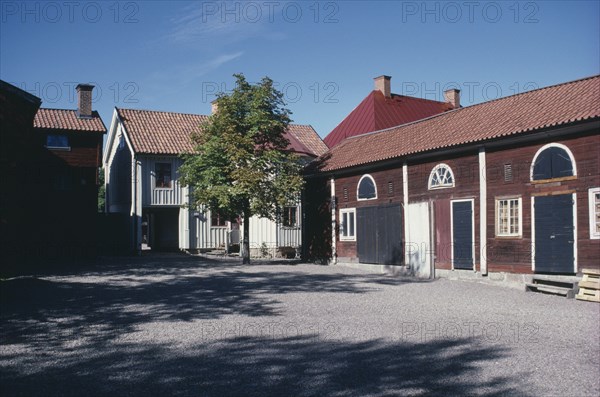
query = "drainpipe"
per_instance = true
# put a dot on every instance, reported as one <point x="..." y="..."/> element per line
<point x="482" y="212"/>
<point x="333" y="223"/>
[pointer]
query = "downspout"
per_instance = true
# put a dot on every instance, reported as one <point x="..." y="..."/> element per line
<point x="482" y="213"/>
<point x="405" y="220"/>
<point x="134" y="199"/>
<point x="333" y="222"/>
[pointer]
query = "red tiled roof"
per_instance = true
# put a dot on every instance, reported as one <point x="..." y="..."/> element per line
<point x="157" y="132"/>
<point x="62" y="119"/>
<point x="308" y="137"/>
<point x="546" y="107"/>
<point x="376" y="112"/>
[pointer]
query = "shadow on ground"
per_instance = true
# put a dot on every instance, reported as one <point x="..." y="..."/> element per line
<point x="78" y="334"/>
<point x="252" y="366"/>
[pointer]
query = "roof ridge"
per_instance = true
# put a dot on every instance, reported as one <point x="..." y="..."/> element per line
<point x="192" y="114"/>
<point x="473" y="106"/>
<point x="420" y="99"/>
<point x="530" y="91"/>
<point x="162" y="111"/>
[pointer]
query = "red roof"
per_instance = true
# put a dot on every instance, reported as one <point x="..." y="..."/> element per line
<point x="156" y="132"/>
<point x="62" y="119"/>
<point x="518" y="114"/>
<point x="376" y="112"/>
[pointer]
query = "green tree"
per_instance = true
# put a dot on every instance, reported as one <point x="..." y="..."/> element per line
<point x="241" y="165"/>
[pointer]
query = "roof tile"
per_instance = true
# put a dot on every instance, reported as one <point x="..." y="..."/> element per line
<point x="156" y="132"/>
<point x="551" y="106"/>
<point x="62" y="119"/>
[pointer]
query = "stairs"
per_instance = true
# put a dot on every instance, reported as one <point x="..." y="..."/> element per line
<point x="589" y="286"/>
<point x="556" y="285"/>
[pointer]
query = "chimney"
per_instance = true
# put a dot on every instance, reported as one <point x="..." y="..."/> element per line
<point x="84" y="100"/>
<point x="214" y="106"/>
<point x="382" y="83"/>
<point x="452" y="96"/>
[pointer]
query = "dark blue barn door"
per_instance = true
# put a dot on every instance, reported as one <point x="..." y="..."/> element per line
<point x="379" y="234"/>
<point x="462" y="234"/>
<point x="554" y="234"/>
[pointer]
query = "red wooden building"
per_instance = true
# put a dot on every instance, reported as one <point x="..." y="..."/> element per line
<point x="50" y="160"/>
<point x="506" y="186"/>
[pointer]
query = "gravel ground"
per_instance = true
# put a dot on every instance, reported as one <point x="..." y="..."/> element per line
<point x="178" y="325"/>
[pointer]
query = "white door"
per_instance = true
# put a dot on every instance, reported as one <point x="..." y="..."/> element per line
<point x="418" y="244"/>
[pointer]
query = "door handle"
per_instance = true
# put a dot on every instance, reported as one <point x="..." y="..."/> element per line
<point x="552" y="236"/>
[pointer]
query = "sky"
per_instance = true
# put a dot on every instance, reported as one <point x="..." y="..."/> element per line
<point x="323" y="56"/>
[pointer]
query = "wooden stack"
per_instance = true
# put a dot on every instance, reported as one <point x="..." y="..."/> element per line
<point x="589" y="286"/>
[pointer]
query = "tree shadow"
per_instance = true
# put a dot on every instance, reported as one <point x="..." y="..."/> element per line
<point x="103" y="331"/>
<point x="269" y="366"/>
<point x="119" y="296"/>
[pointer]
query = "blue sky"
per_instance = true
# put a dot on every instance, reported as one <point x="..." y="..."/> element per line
<point x="323" y="55"/>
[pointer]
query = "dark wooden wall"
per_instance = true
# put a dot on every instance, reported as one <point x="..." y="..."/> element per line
<point x="513" y="254"/>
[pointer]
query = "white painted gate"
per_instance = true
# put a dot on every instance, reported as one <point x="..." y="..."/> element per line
<point x="418" y="244"/>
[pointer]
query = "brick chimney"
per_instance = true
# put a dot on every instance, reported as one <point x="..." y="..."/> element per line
<point x="84" y="100"/>
<point x="382" y="83"/>
<point x="452" y="96"/>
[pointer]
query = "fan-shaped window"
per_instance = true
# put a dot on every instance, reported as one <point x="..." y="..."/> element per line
<point x="366" y="188"/>
<point x="552" y="161"/>
<point x="441" y="177"/>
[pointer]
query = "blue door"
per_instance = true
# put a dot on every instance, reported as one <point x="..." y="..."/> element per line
<point x="462" y="234"/>
<point x="554" y="234"/>
<point x="379" y="234"/>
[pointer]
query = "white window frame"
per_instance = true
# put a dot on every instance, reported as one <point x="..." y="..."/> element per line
<point x="520" y="218"/>
<point x="592" y="212"/>
<point x="297" y="223"/>
<point x="347" y="211"/>
<point x="434" y="171"/>
<point x="358" y="188"/>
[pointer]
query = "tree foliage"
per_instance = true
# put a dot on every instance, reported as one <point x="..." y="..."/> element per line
<point x="241" y="164"/>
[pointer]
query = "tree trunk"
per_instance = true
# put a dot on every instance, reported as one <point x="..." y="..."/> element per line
<point x="246" y="241"/>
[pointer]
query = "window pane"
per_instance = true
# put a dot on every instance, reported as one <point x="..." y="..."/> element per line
<point x="366" y="189"/>
<point x="57" y="141"/>
<point x="289" y="216"/>
<point x="163" y="174"/>
<point x="351" y="226"/>
<point x="344" y="223"/>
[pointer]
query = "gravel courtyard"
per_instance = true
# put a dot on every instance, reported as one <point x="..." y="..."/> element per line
<point x="180" y="325"/>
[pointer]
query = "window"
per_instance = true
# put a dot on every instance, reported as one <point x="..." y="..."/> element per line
<point x="508" y="217"/>
<point x="57" y="141"/>
<point x="121" y="142"/>
<point x="216" y="219"/>
<point x="366" y="188"/>
<point x="594" y="197"/>
<point x="163" y="175"/>
<point x="441" y="177"/>
<point x="348" y="224"/>
<point x="552" y="161"/>
<point x="289" y="217"/>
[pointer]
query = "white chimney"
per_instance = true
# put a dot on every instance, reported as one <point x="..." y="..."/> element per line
<point x="84" y="100"/>
<point x="382" y="83"/>
<point x="214" y="106"/>
<point x="452" y="96"/>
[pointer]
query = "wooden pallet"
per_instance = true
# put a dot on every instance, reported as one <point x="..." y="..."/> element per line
<point x="589" y="286"/>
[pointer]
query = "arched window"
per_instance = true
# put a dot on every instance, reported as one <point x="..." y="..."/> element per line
<point x="366" y="188"/>
<point x="441" y="177"/>
<point x="552" y="161"/>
